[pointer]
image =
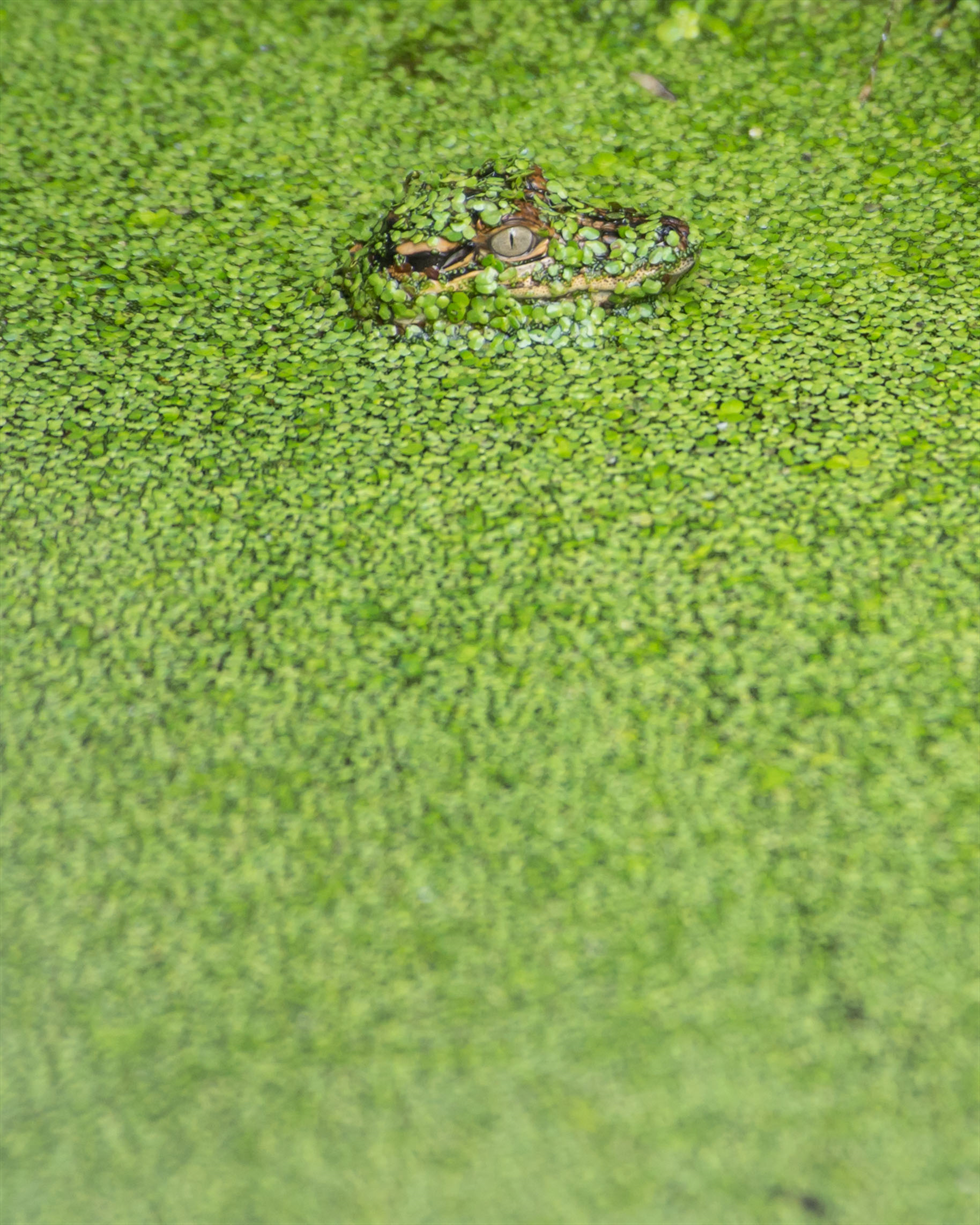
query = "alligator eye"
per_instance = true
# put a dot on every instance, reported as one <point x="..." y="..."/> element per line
<point x="516" y="240"/>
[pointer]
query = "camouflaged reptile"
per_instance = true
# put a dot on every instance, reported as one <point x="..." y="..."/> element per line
<point x="501" y="247"/>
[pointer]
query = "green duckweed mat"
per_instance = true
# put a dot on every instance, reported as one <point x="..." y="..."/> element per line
<point x="475" y="784"/>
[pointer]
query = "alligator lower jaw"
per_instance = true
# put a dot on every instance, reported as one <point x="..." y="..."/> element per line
<point x="602" y="290"/>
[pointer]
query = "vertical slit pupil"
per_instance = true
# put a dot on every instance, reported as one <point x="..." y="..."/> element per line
<point x="515" y="240"/>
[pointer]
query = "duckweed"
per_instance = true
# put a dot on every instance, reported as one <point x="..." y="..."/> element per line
<point x="507" y="773"/>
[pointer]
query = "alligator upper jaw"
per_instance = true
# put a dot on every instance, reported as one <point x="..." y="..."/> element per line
<point x="599" y="288"/>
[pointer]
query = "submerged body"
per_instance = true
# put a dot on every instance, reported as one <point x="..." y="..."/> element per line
<point x="502" y="247"/>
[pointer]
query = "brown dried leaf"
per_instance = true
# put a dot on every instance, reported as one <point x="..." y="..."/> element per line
<point x="653" y="86"/>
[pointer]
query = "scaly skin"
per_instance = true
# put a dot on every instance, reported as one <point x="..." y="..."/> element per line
<point x="500" y="247"/>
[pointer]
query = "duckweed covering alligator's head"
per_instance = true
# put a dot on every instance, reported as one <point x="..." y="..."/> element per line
<point x="503" y="247"/>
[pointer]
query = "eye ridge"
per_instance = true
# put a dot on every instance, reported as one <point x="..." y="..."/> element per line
<point x="513" y="241"/>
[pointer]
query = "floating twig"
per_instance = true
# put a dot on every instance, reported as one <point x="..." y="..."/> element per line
<point x="893" y="13"/>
